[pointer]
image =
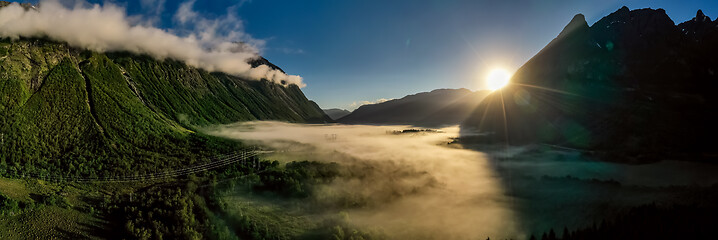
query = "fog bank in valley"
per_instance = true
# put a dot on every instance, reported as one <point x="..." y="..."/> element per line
<point x="420" y="187"/>
<point x="417" y="186"/>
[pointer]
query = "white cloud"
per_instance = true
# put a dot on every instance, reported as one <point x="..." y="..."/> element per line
<point x="185" y="13"/>
<point x="211" y="44"/>
<point x="153" y="6"/>
<point x="356" y="105"/>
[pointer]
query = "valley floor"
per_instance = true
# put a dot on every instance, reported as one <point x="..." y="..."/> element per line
<point x="370" y="182"/>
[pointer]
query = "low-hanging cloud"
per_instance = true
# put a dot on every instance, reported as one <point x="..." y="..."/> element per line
<point x="213" y="45"/>
<point x="413" y="186"/>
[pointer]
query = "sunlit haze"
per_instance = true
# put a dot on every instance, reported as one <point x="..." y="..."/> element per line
<point x="497" y="78"/>
<point x="364" y="119"/>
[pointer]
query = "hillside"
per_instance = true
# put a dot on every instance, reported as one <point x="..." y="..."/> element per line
<point x="336" y="113"/>
<point x="87" y="112"/>
<point x="633" y="83"/>
<point x="440" y="107"/>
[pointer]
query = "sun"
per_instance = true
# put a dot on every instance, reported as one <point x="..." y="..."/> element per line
<point x="497" y="78"/>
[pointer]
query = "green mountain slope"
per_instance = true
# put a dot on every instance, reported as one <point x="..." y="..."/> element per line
<point x="91" y="113"/>
<point x="198" y="97"/>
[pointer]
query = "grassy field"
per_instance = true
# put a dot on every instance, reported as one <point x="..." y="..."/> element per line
<point x="40" y="220"/>
<point x="276" y="219"/>
<point x="51" y="222"/>
<point x="14" y="188"/>
<point x="51" y="210"/>
<point x="273" y="202"/>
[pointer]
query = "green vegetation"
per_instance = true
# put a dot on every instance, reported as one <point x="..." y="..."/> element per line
<point x="187" y="208"/>
<point x="296" y="179"/>
<point x="194" y="97"/>
<point x="160" y="212"/>
<point x="251" y="218"/>
<point x="65" y="112"/>
<point x="414" y="131"/>
<point x="12" y="206"/>
<point x="250" y="200"/>
<point x="242" y="206"/>
<point x="8" y="206"/>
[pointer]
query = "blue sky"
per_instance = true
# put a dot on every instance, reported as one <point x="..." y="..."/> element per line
<point x="353" y="51"/>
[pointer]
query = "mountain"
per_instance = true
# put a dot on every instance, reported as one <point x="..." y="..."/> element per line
<point x="440" y="107"/>
<point x="633" y="84"/>
<point x="336" y="113"/>
<point x="84" y="111"/>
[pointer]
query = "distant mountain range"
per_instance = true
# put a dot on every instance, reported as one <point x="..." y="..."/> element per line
<point x="336" y="113"/>
<point x="437" y="108"/>
<point x="633" y="83"/>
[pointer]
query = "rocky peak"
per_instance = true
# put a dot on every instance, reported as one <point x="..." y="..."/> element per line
<point x="648" y="19"/>
<point x="633" y="28"/>
<point x="700" y="17"/>
<point x="699" y="27"/>
<point x="24" y="5"/>
<point x="622" y="12"/>
<point x="263" y="61"/>
<point x="578" y="23"/>
<point x="633" y="58"/>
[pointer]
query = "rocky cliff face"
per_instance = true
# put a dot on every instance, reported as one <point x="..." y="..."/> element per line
<point x="632" y="83"/>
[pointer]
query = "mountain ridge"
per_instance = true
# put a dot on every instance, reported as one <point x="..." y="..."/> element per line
<point x="63" y="107"/>
<point x="439" y="107"/>
<point x="336" y="113"/>
<point x="633" y="82"/>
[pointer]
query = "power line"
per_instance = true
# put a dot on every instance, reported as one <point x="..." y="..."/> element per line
<point x="221" y="161"/>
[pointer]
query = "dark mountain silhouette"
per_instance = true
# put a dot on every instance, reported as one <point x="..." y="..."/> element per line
<point x="440" y="107"/>
<point x="336" y="113"/>
<point x="633" y="83"/>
